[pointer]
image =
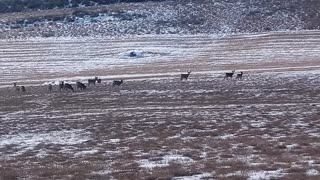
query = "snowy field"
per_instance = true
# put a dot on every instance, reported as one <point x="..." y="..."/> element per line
<point x="265" y="126"/>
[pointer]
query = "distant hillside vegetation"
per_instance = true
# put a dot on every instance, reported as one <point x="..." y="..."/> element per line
<point x="114" y="18"/>
<point x="27" y="5"/>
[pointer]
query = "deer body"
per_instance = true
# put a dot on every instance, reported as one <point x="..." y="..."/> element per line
<point x="239" y="76"/>
<point x="50" y="87"/>
<point x="68" y="86"/>
<point x="229" y="75"/>
<point x="61" y="86"/>
<point x="81" y="86"/>
<point x="23" y="89"/>
<point x="93" y="81"/>
<point x="117" y="83"/>
<point x="185" y="76"/>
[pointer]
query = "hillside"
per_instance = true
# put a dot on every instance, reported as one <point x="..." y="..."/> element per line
<point x="29" y="5"/>
<point x="164" y="17"/>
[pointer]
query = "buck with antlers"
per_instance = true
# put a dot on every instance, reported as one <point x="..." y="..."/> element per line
<point x="185" y="76"/>
<point x="229" y="75"/>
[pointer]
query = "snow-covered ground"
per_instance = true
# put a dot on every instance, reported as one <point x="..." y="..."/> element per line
<point x="265" y="126"/>
<point x="40" y="60"/>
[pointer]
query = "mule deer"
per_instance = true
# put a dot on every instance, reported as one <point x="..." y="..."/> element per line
<point x="185" y="76"/>
<point x="229" y="75"/>
<point x="117" y="83"/>
<point x="239" y="76"/>
<point x="93" y="81"/>
<point x="68" y="86"/>
<point x="50" y="87"/>
<point x="23" y="89"/>
<point x="17" y="88"/>
<point x="61" y="86"/>
<point x="81" y="86"/>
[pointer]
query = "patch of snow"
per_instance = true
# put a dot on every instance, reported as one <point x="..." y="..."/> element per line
<point x="226" y="136"/>
<point x="194" y="177"/>
<point x="28" y="141"/>
<point x="258" y="175"/>
<point x="237" y="173"/>
<point x="81" y="153"/>
<point x="312" y="172"/>
<point x="114" y="140"/>
<point x="102" y="172"/>
<point x="145" y="163"/>
<point x="291" y="146"/>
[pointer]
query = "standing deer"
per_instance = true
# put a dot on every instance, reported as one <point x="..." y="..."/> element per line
<point x="81" y="86"/>
<point x="185" y="76"/>
<point x="229" y="75"/>
<point x="99" y="80"/>
<point x="23" y="89"/>
<point x="17" y="88"/>
<point x="68" y="86"/>
<point x="117" y="83"/>
<point x="50" y="87"/>
<point x="239" y="76"/>
<point x="61" y="85"/>
<point x="93" y="81"/>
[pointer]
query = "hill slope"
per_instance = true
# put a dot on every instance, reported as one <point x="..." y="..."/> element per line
<point x="176" y="17"/>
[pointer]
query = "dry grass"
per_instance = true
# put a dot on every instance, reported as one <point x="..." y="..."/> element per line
<point x="230" y="135"/>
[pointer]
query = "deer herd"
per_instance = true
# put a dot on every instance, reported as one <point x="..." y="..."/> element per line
<point x="92" y="82"/>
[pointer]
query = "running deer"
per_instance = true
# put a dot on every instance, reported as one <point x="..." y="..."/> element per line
<point x="229" y="75"/>
<point x="68" y="86"/>
<point x="185" y="76"/>
<point x="117" y="83"/>
<point x="81" y="86"/>
<point x="239" y="76"/>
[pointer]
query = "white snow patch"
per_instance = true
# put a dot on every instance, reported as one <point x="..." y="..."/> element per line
<point x="312" y="172"/>
<point x="226" y="136"/>
<point x="28" y="141"/>
<point x="114" y="140"/>
<point x="258" y="175"/>
<point x="291" y="146"/>
<point x="82" y="153"/>
<point x="103" y="172"/>
<point x="194" y="177"/>
<point x="145" y="163"/>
